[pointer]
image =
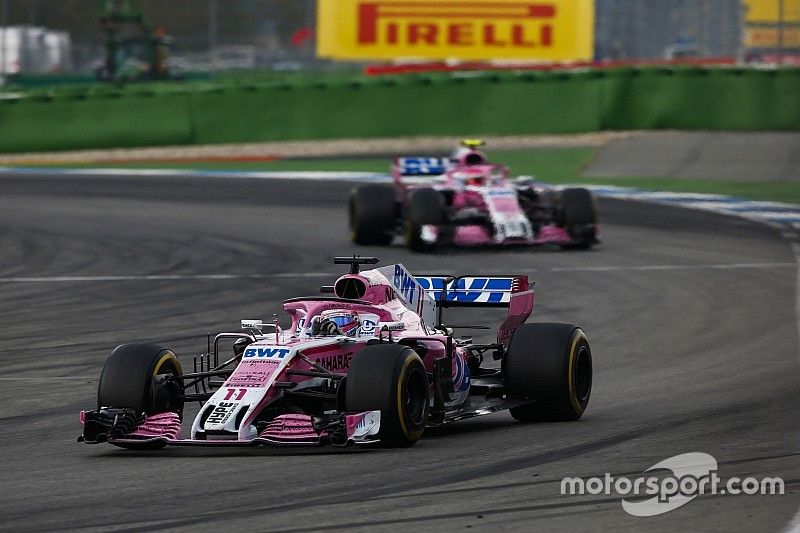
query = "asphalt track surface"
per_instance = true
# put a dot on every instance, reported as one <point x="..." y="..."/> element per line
<point x="728" y="156"/>
<point x="691" y="316"/>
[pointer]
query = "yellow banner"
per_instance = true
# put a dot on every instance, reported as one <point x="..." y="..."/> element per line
<point x="547" y="30"/>
<point x="768" y="11"/>
<point x="770" y="38"/>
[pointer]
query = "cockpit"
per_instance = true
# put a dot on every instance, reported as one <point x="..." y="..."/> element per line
<point x="336" y="322"/>
<point x="333" y="316"/>
<point x="479" y="176"/>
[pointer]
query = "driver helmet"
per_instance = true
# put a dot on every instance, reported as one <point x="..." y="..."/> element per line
<point x="347" y="322"/>
<point x="477" y="179"/>
<point x="468" y="153"/>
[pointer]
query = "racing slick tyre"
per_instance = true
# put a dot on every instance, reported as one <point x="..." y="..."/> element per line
<point x="139" y="377"/>
<point x="550" y="364"/>
<point x="372" y="214"/>
<point x="390" y="378"/>
<point x="424" y="208"/>
<point x="580" y="217"/>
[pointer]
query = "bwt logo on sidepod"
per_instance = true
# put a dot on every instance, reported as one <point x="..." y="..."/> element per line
<point x="268" y="352"/>
<point x="466" y="23"/>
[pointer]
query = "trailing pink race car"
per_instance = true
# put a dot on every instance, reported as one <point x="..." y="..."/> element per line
<point x="373" y="362"/>
<point x="466" y="201"/>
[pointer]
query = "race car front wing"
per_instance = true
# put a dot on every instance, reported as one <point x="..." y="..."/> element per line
<point x="129" y="429"/>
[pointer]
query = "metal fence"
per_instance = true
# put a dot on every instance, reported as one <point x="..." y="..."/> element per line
<point x="206" y="33"/>
<point x="663" y="29"/>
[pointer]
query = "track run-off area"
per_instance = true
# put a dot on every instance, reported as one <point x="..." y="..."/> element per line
<point x="692" y="317"/>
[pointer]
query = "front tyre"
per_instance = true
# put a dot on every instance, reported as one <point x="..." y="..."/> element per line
<point x="390" y="378"/>
<point x="141" y="377"/>
<point x="551" y="365"/>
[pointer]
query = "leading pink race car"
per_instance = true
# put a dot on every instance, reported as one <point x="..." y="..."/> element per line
<point x="465" y="200"/>
<point x="373" y="362"/>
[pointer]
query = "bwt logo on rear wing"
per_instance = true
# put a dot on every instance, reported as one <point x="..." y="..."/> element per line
<point x="422" y="166"/>
<point x="473" y="291"/>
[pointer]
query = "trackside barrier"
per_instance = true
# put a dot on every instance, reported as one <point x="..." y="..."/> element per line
<point x="498" y="103"/>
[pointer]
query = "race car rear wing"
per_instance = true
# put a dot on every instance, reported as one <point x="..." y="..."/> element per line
<point x="429" y="295"/>
<point x="472" y="290"/>
<point x="512" y="292"/>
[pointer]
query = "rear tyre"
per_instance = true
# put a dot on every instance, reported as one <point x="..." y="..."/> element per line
<point x="372" y="215"/>
<point x="390" y="378"/>
<point x="424" y="208"/>
<point x="580" y="217"/>
<point x="550" y="364"/>
<point x="139" y="377"/>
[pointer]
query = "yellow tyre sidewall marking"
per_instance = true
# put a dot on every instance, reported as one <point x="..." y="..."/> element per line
<point x="167" y="355"/>
<point x="400" y="383"/>
<point x="577" y="335"/>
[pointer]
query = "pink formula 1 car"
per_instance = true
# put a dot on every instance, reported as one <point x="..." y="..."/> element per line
<point x="467" y="201"/>
<point x="373" y="362"/>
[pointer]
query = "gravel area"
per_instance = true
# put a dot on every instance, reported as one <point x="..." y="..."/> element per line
<point x="305" y="149"/>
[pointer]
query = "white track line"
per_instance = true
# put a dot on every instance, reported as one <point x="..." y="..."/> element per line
<point x="194" y="174"/>
<point x="301" y="275"/>
<point x="165" y="277"/>
<point x="649" y="268"/>
<point x="775" y="214"/>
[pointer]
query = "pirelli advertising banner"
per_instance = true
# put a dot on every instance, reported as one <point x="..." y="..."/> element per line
<point x="763" y="20"/>
<point x="543" y="30"/>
